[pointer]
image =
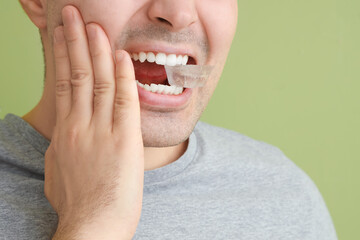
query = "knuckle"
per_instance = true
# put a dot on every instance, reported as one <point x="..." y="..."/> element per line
<point x="122" y="106"/>
<point x="122" y="101"/>
<point x="72" y="36"/>
<point x="95" y="52"/>
<point x="60" y="56"/>
<point x="63" y="87"/>
<point x="72" y="134"/>
<point x="101" y="87"/>
<point x="79" y="76"/>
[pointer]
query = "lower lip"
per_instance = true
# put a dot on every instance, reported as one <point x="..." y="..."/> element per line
<point x="164" y="100"/>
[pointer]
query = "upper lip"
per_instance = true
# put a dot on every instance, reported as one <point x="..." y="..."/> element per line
<point x="161" y="48"/>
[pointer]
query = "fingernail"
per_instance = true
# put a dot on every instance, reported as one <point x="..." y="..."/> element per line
<point x="68" y="15"/>
<point x="91" y="31"/>
<point x="59" y="34"/>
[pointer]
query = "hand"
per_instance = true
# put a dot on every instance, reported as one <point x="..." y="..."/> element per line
<point x="94" y="166"/>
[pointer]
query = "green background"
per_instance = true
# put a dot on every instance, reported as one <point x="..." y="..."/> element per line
<point x="292" y="80"/>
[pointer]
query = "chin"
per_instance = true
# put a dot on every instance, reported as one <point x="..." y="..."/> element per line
<point x="160" y="130"/>
<point x="166" y="129"/>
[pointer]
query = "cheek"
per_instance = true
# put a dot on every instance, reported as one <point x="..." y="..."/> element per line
<point x="112" y="15"/>
<point x="219" y="19"/>
<point x="104" y="14"/>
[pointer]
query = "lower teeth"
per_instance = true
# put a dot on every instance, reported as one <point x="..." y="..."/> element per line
<point x="160" y="88"/>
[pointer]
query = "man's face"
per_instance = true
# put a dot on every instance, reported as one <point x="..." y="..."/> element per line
<point x="201" y="29"/>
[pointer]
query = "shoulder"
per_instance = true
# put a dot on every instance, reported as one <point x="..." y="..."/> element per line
<point x="240" y="153"/>
<point x="227" y="143"/>
<point x="263" y="169"/>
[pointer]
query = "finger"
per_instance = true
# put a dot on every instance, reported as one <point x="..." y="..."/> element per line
<point x="62" y="75"/>
<point x="126" y="102"/>
<point x="81" y="69"/>
<point x="103" y="67"/>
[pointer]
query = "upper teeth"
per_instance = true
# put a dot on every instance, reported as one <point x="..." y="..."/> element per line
<point x="161" y="58"/>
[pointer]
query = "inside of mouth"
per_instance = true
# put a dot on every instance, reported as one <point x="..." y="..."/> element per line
<point x="152" y="73"/>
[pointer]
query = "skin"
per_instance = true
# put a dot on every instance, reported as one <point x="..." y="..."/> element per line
<point x="90" y="109"/>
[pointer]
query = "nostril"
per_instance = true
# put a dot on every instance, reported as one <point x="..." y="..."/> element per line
<point x="163" y="20"/>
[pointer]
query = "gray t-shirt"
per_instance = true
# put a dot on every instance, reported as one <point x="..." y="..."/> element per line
<point x="225" y="186"/>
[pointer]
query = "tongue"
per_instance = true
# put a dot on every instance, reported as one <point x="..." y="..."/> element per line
<point x="148" y="73"/>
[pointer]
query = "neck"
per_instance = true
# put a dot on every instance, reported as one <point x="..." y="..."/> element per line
<point x="42" y="118"/>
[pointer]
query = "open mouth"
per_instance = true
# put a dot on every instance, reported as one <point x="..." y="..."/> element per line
<point x="150" y="71"/>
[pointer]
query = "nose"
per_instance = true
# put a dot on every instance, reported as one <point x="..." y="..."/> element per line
<point x="173" y="14"/>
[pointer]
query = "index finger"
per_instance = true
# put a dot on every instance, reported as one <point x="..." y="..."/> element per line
<point x="62" y="75"/>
